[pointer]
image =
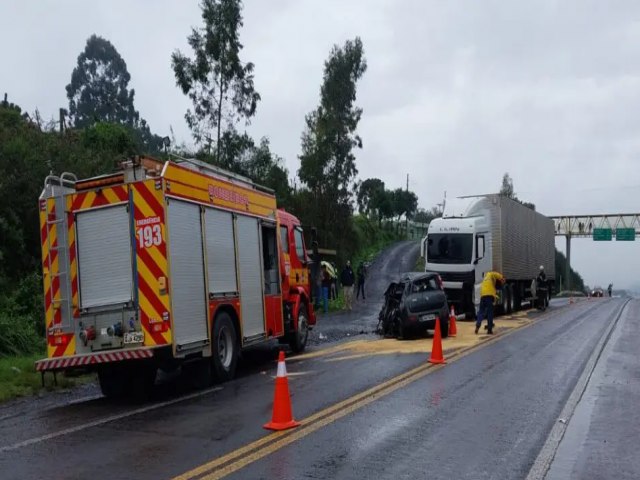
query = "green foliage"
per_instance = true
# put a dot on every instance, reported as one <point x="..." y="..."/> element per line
<point x="327" y="161"/>
<point x="99" y="91"/>
<point x="99" y="94"/>
<point x="404" y="202"/>
<point x="370" y="239"/>
<point x="241" y="155"/>
<point x="376" y="201"/>
<point x="27" y="155"/>
<point x="507" y="186"/>
<point x="109" y="137"/>
<point x="218" y="84"/>
<point x="22" y="318"/>
<point x="425" y="216"/>
<point x="18" y="377"/>
<point x="507" y="191"/>
<point x="268" y="169"/>
<point x="371" y="196"/>
<point x="577" y="283"/>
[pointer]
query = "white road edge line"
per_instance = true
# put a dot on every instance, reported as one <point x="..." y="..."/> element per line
<point x="543" y="461"/>
<point x="102" y="421"/>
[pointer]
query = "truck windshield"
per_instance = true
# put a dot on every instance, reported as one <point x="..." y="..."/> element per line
<point x="449" y="247"/>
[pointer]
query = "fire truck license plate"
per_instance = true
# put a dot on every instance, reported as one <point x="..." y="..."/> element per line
<point x="134" y="337"/>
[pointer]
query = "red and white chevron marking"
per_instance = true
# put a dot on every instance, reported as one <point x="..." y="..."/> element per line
<point x="92" y="359"/>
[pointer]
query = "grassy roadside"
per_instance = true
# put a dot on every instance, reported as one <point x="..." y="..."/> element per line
<point x="18" y="378"/>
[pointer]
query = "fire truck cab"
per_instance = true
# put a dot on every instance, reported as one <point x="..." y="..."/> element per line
<point x="167" y="264"/>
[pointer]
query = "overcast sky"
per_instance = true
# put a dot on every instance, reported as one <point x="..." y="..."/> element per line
<point x="456" y="93"/>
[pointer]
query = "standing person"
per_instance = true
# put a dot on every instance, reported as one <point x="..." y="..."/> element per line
<point x="347" y="278"/>
<point x="488" y="294"/>
<point x="362" y="273"/>
<point x="333" y="291"/>
<point x="610" y="289"/>
<point x="541" y="288"/>
<point x="318" y="287"/>
<point x="326" y="285"/>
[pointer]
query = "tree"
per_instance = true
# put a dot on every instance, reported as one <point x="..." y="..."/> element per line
<point x="99" y="87"/>
<point x="370" y="195"/>
<point x="507" y="186"/>
<point x="507" y="191"/>
<point x="327" y="161"/>
<point x="218" y="84"/>
<point x="404" y="203"/>
<point x="425" y="216"/>
<point x="267" y="169"/>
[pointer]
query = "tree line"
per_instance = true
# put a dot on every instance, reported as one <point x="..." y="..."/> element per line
<point x="100" y="126"/>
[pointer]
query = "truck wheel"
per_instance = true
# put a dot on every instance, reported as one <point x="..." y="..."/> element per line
<point x="114" y="382"/>
<point x="509" y="301"/>
<point x="225" y="348"/>
<point x="143" y="380"/>
<point x="517" y="299"/>
<point x="298" y="339"/>
<point x="504" y="302"/>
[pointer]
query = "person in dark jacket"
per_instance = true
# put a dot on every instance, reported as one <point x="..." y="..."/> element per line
<point x="326" y="285"/>
<point x="347" y="278"/>
<point x="362" y="273"/>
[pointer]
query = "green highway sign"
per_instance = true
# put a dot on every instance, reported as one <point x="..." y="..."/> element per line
<point x="626" y="234"/>
<point x="602" y="234"/>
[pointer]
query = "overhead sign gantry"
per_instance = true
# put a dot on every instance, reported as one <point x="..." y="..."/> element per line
<point x="622" y="226"/>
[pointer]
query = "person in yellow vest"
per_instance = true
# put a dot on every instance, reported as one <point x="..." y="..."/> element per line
<point x="488" y="293"/>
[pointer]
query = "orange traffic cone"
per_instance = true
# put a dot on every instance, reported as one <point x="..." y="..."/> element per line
<point x="436" y="346"/>
<point x="282" y="417"/>
<point x="453" y="330"/>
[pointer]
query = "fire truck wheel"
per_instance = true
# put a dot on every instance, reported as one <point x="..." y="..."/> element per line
<point x="225" y="348"/>
<point x="143" y="380"/>
<point x="298" y="339"/>
<point x="114" y="383"/>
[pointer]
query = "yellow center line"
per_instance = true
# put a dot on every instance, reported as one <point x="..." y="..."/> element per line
<point x="259" y="449"/>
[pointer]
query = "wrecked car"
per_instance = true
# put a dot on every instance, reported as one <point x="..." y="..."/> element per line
<point x="412" y="304"/>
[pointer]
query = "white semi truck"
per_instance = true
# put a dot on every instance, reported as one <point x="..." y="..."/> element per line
<point x="490" y="232"/>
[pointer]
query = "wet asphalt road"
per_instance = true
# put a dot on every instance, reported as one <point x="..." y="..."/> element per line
<point x="601" y="440"/>
<point x="363" y="319"/>
<point x="485" y="415"/>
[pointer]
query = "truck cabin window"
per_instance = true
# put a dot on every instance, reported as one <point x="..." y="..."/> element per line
<point x="449" y="247"/>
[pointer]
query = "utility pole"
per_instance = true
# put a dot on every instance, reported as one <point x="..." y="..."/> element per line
<point x="406" y="215"/>
<point x="567" y="267"/>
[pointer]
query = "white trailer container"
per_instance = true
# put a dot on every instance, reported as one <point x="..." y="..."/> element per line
<point x="490" y="232"/>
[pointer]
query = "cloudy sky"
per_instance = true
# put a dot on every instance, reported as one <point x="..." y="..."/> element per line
<point x="456" y="93"/>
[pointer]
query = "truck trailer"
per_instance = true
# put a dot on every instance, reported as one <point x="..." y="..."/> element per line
<point x="490" y="232"/>
<point x="166" y="265"/>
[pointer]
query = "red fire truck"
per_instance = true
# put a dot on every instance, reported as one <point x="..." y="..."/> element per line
<point x="167" y="264"/>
